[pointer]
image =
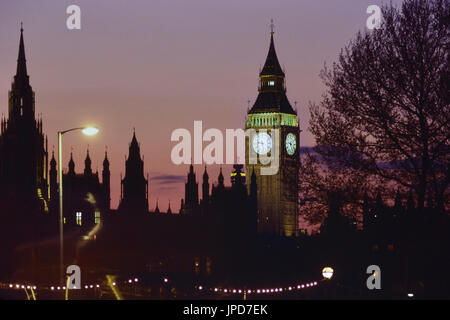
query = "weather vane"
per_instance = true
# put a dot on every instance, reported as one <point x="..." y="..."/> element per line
<point x="271" y="27"/>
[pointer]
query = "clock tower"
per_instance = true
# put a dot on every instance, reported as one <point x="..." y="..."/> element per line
<point x="277" y="133"/>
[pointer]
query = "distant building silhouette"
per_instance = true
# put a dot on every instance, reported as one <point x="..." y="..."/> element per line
<point x="191" y="204"/>
<point x="134" y="187"/>
<point x="233" y="206"/>
<point x="23" y="146"/>
<point x="85" y="198"/>
<point x="205" y="190"/>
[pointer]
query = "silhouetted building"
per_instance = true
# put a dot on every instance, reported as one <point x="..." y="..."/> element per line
<point x="191" y="193"/>
<point x="134" y="187"/>
<point x="106" y="181"/>
<point x="24" y="207"/>
<point x="205" y="190"/>
<point x="23" y="146"/>
<point x="85" y="198"/>
<point x="232" y="207"/>
<point x="53" y="176"/>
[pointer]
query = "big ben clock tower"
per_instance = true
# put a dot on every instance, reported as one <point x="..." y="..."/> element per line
<point x="277" y="133"/>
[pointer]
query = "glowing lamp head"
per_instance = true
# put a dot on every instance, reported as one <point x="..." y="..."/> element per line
<point x="327" y="273"/>
<point x="90" y="131"/>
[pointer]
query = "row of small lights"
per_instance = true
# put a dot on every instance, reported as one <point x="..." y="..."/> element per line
<point x="327" y="270"/>
<point x="97" y="285"/>
<point x="260" y="291"/>
<point x="91" y="286"/>
<point x="135" y="280"/>
<point x="21" y="286"/>
<point x="327" y="273"/>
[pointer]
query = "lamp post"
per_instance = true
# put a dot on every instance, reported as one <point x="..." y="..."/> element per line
<point x="89" y="131"/>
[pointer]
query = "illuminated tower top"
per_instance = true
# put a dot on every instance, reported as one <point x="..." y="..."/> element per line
<point x="272" y="87"/>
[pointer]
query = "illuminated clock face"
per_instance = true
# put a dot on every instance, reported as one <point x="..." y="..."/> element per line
<point x="262" y="143"/>
<point x="291" y="144"/>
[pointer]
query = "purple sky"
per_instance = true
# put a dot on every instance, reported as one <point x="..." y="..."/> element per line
<point x="159" y="65"/>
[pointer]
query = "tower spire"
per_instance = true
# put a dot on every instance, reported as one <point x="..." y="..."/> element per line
<point x="272" y="86"/>
<point x="272" y="65"/>
<point x="21" y="72"/>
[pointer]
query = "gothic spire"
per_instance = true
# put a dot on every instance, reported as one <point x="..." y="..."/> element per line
<point x="53" y="160"/>
<point x="134" y="142"/>
<point x="220" y="178"/>
<point x="205" y="175"/>
<point x="21" y="60"/>
<point x="191" y="174"/>
<point x="87" y="164"/>
<point x="71" y="164"/>
<point x="157" y="207"/>
<point x="135" y="152"/>
<point x="272" y="66"/>
<point x="106" y="161"/>
<point x="272" y="87"/>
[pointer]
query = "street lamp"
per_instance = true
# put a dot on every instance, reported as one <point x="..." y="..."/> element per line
<point x="89" y="131"/>
<point x="327" y="273"/>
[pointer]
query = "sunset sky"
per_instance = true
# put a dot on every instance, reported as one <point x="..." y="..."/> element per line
<point x="158" y="65"/>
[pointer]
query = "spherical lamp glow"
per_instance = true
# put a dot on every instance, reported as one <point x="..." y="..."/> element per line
<point x="327" y="273"/>
<point x="90" y="131"/>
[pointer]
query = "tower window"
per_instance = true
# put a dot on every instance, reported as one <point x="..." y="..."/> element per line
<point x="78" y="218"/>
<point x="271" y="83"/>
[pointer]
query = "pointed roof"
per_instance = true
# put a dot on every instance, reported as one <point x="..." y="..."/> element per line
<point x="157" y="208"/>
<point x="88" y="158"/>
<point x="220" y="177"/>
<point x="134" y="151"/>
<point x="272" y="98"/>
<point x="53" y="160"/>
<point x="191" y="175"/>
<point x="272" y="65"/>
<point x="71" y="163"/>
<point x="87" y="163"/>
<point x="106" y="161"/>
<point x="21" y="60"/>
<point x="134" y="142"/>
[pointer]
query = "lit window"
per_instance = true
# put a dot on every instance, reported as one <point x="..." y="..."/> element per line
<point x="78" y="218"/>
<point x="97" y="217"/>
<point x="271" y="83"/>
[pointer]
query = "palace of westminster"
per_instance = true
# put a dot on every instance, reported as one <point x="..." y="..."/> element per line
<point x="222" y="217"/>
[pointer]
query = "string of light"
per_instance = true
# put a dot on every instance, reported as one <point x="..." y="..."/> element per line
<point x="259" y="291"/>
<point x="216" y="289"/>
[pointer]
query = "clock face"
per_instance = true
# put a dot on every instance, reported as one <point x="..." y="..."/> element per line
<point x="291" y="144"/>
<point x="262" y="143"/>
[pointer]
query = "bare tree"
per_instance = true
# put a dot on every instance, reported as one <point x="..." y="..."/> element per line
<point x="325" y="183"/>
<point x="386" y="112"/>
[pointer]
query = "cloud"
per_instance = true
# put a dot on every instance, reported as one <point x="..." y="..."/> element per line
<point x="168" y="178"/>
